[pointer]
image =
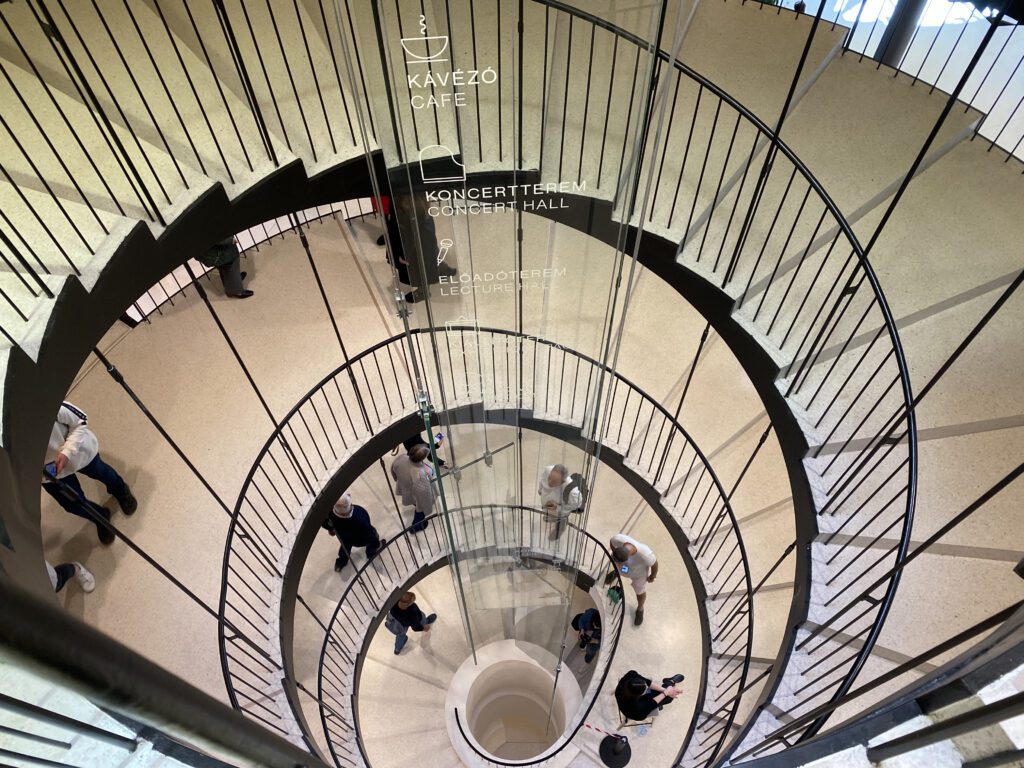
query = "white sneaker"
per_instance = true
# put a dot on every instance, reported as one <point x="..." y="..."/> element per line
<point x="84" y="577"/>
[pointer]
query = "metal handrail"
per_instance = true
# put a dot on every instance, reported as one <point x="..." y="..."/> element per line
<point x="257" y="235"/>
<point x="607" y="653"/>
<point x="725" y="516"/>
<point x="885" y="602"/>
<point x="884" y="54"/>
<point x="144" y="179"/>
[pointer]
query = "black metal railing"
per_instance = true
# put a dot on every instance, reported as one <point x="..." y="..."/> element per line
<point x="122" y="113"/>
<point x="771" y="238"/>
<point x="326" y="426"/>
<point x="247" y="241"/>
<point x="930" y="42"/>
<point x="513" y="534"/>
<point x="778" y="243"/>
<point x="238" y="85"/>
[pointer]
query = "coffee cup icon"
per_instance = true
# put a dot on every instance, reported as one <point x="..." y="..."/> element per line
<point x="425" y="50"/>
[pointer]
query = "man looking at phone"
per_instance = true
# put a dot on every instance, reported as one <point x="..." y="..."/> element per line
<point x="74" y="448"/>
<point x="636" y="562"/>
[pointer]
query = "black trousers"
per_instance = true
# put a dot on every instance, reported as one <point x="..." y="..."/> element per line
<point x="373" y="546"/>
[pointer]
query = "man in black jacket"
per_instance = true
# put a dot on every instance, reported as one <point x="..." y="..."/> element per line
<point x="639" y="697"/>
<point x="351" y="524"/>
<point x="405" y="615"/>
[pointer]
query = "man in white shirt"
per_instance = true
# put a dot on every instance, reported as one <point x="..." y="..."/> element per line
<point x="557" y="499"/>
<point x="636" y="562"/>
<point x="74" y="448"/>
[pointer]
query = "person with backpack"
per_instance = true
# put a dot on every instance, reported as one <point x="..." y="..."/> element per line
<point x="561" y="495"/>
<point x="588" y="625"/>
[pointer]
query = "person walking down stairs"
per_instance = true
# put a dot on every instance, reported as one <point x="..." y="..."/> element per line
<point x="353" y="528"/>
<point x="637" y="563"/>
<point x="405" y="615"/>
<point x="74" y="448"/>
<point x="414" y="482"/>
<point x="224" y="256"/>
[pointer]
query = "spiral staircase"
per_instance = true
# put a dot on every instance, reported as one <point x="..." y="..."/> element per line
<point x="841" y="227"/>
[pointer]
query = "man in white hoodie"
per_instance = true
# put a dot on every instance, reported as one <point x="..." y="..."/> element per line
<point x="74" y="448"/>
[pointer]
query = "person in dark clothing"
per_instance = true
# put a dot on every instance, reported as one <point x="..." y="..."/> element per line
<point x="224" y="256"/>
<point x="638" y="697"/>
<point x="405" y="615"/>
<point x="411" y="229"/>
<point x="417" y="439"/>
<point x="351" y="524"/>
<point x="588" y="624"/>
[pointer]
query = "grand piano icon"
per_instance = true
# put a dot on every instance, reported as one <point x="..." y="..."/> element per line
<point x="439" y="166"/>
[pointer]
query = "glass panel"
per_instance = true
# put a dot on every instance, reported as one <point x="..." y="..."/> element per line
<point x="505" y="182"/>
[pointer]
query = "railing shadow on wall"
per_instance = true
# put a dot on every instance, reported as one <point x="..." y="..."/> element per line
<point x="348" y="407"/>
<point x="930" y="43"/>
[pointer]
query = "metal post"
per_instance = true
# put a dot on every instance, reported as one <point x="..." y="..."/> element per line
<point x="899" y="32"/>
<point x="42" y="715"/>
<point x="968" y="722"/>
<point x="39" y="635"/>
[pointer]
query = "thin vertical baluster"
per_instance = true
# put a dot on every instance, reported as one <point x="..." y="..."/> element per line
<point x="718" y="189"/>
<point x="67" y="123"/>
<point x="88" y="96"/>
<point x="565" y="97"/>
<point x="153" y="122"/>
<point x="316" y="78"/>
<point x="39" y="219"/>
<point x="782" y="252"/>
<point x="195" y="92"/>
<point x="796" y="270"/>
<point x="608" y="108"/>
<point x="291" y="78"/>
<point x="668" y="138"/>
<point x="686" y="155"/>
<point x="586" y="106"/>
<point x="166" y="90"/>
<point x="703" y="168"/>
<point x="263" y="68"/>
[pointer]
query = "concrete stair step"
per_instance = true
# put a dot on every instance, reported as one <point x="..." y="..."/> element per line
<point x="751" y="50"/>
<point x="893" y="119"/>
